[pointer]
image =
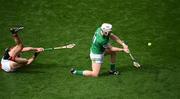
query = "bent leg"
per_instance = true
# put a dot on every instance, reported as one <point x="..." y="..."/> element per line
<point x="15" y="65"/>
<point x="16" y="50"/>
<point x="97" y="60"/>
<point x="112" y="59"/>
<point x="21" y="60"/>
<point x="92" y="73"/>
<point x="95" y="70"/>
<point x="112" y="54"/>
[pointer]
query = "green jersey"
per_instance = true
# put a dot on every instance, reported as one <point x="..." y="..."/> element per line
<point x="99" y="42"/>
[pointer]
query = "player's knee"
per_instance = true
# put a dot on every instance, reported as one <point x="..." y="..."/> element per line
<point x="28" y="62"/>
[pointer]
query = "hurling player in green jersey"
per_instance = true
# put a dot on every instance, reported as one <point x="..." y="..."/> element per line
<point x="100" y="47"/>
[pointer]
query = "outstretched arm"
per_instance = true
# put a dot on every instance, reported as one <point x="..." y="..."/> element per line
<point x="115" y="49"/>
<point x="26" y="49"/>
<point x="119" y="41"/>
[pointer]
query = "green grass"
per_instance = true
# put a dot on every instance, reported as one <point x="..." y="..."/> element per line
<point x="51" y="23"/>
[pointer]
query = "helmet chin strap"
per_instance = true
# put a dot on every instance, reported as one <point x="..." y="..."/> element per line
<point x="102" y="32"/>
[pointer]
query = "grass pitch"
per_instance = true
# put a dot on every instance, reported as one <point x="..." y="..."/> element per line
<point x="50" y="23"/>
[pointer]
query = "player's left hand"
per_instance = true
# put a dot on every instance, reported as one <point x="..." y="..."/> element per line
<point x="39" y="49"/>
<point x="126" y="50"/>
<point x="125" y="47"/>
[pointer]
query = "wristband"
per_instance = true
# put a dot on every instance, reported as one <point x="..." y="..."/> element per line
<point x="123" y="44"/>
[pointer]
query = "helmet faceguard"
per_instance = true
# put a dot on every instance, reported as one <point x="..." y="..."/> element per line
<point x="106" y="28"/>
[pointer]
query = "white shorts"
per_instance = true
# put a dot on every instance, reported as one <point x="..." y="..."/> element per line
<point x="6" y="65"/>
<point x="97" y="58"/>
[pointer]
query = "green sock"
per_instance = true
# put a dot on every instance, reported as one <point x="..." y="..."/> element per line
<point x="78" y="72"/>
<point x="113" y="66"/>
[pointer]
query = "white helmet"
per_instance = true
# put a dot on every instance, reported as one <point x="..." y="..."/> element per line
<point x="106" y="27"/>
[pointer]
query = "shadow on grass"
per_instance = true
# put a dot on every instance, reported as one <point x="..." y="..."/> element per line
<point x="120" y="69"/>
<point x="147" y="68"/>
<point x="39" y="68"/>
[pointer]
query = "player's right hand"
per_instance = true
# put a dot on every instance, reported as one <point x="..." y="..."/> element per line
<point x="39" y="49"/>
<point x="126" y="50"/>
